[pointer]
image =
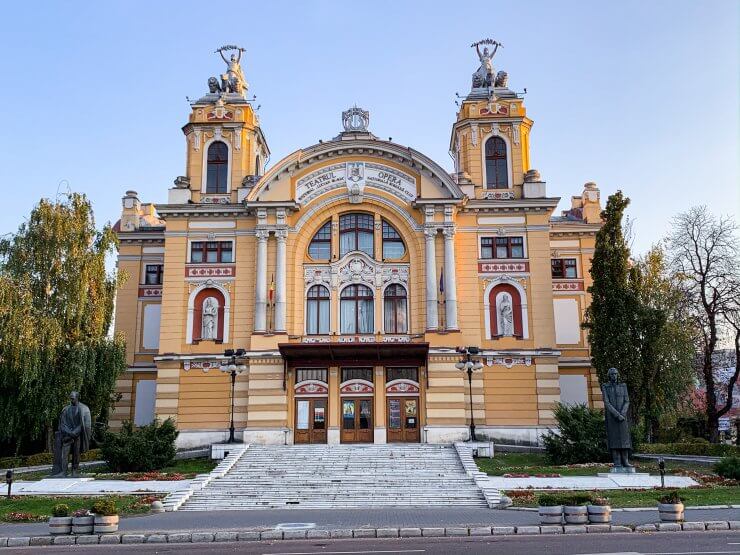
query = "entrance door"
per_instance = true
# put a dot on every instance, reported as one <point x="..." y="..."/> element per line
<point x="403" y="419"/>
<point x="310" y="421"/>
<point x="357" y="420"/>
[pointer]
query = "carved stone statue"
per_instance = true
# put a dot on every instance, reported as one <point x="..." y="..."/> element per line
<point x="502" y="79"/>
<point x="75" y="430"/>
<point x="484" y="76"/>
<point x="209" y="318"/>
<point x="233" y="80"/>
<point x="616" y="405"/>
<point x="505" y="321"/>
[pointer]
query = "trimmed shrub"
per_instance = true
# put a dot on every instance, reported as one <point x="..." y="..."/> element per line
<point x="104" y="507"/>
<point x="567" y="499"/>
<point x="672" y="498"/>
<point x="549" y="500"/>
<point x="729" y="467"/>
<point x="581" y="437"/>
<point x="140" y="449"/>
<point x="60" y="510"/>
<point x="701" y="449"/>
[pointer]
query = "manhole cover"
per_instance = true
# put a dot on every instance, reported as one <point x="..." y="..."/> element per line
<point x="295" y="525"/>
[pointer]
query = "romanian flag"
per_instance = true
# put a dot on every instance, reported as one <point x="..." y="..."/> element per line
<point x="442" y="280"/>
<point x="271" y="292"/>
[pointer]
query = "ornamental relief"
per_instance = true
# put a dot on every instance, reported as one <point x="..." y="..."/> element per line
<point x="356" y="269"/>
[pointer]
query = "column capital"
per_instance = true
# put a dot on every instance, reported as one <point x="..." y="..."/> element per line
<point x="430" y="232"/>
<point x="449" y="231"/>
<point x="262" y="234"/>
<point x="281" y="235"/>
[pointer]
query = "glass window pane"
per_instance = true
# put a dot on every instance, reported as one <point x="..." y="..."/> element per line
<point x="365" y="242"/>
<point x="366" y="414"/>
<point x="570" y="268"/>
<point x="394" y="413"/>
<point x="389" y="313"/>
<point x="319" y="415"/>
<point x="212" y="256"/>
<point x="365" y="316"/>
<point x="226" y="252"/>
<point x="302" y="416"/>
<point x="347" y="316"/>
<point x="196" y="252"/>
<point x="312" y="318"/>
<point x="346" y="243"/>
<point x="319" y="250"/>
<point x="348" y="415"/>
<point x="323" y="317"/>
<point x="517" y="251"/>
<point x="393" y="249"/>
<point x="401" y="325"/>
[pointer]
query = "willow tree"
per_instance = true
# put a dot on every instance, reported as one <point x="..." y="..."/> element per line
<point x="56" y="305"/>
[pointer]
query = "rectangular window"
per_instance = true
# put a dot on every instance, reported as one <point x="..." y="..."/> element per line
<point x="153" y="275"/>
<point x="211" y="252"/>
<point x="564" y="268"/>
<point x="502" y="247"/>
<point x="306" y="374"/>
<point x="401" y="374"/>
<point x="357" y="374"/>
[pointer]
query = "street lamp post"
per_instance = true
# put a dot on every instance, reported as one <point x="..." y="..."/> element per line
<point x="233" y="367"/>
<point x="469" y="366"/>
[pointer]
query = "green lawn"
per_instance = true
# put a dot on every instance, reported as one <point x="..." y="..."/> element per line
<point x="187" y="467"/>
<point x="38" y="508"/>
<point x="535" y="463"/>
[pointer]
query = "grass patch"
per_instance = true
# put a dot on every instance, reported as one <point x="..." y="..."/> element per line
<point x="720" y="495"/>
<point x="31" y="508"/>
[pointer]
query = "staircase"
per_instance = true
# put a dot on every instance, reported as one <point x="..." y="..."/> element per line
<point x="340" y="476"/>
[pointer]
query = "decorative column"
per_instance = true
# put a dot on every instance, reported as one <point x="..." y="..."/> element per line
<point x="431" y="278"/>
<point x="282" y="236"/>
<point x="450" y="288"/>
<point x="260" y="290"/>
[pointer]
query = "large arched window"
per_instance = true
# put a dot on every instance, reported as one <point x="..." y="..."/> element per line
<point x="317" y="310"/>
<point x="356" y="233"/>
<point x="497" y="172"/>
<point x="394" y="310"/>
<point x="356" y="309"/>
<point x="505" y="311"/>
<point x="208" y="321"/>
<point x="320" y="246"/>
<point x="393" y="246"/>
<point x="217" y="171"/>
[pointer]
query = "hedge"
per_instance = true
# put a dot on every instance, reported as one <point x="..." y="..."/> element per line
<point x="40" y="459"/>
<point x="700" y="449"/>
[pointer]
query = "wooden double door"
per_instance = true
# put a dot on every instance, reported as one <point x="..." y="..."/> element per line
<point x="357" y="420"/>
<point x="310" y="420"/>
<point x="402" y="418"/>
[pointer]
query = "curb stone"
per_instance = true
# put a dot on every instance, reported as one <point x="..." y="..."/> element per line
<point x="156" y="538"/>
<point x="669" y="527"/>
<point x="575" y="529"/>
<point x="502" y="530"/>
<point x="527" y="530"/>
<point x="645" y="528"/>
<point x="201" y="537"/>
<point x="734" y="524"/>
<point x="133" y="538"/>
<point x="255" y="536"/>
<point x="3" y="542"/>
<point x="480" y="531"/>
<point x="410" y="532"/>
<point x="597" y="528"/>
<point x="341" y="534"/>
<point x="365" y="533"/>
<point x="273" y="535"/>
<point x="388" y="532"/>
<point x="88" y="540"/>
<point x="294" y="534"/>
<point x="433" y="532"/>
<point x="456" y="532"/>
<point x="178" y="538"/>
<point x="316" y="534"/>
<point x="110" y="538"/>
<point x="551" y="529"/>
<point x="692" y="526"/>
<point x="59" y="540"/>
<point x="38" y="540"/>
<point x="22" y="541"/>
<point x="617" y="528"/>
<point x="718" y="525"/>
<point x="225" y="537"/>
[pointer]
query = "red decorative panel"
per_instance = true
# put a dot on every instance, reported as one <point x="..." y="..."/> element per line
<point x="500" y="267"/>
<point x="150" y="291"/>
<point x="501" y="110"/>
<point x="220" y="114"/>
<point x="402" y="387"/>
<point x="210" y="270"/>
<point x="311" y="388"/>
<point x="567" y="285"/>
<point x="356" y="387"/>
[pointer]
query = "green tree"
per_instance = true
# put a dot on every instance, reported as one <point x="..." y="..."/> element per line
<point x="56" y="305"/>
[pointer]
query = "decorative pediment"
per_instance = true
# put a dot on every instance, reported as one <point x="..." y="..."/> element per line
<point x="356" y="387"/>
<point x="402" y="387"/>
<point x="356" y="268"/>
<point x="311" y="387"/>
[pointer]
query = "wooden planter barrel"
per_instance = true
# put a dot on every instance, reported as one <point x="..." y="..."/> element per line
<point x="60" y="525"/>
<point x="83" y="524"/>
<point x="575" y="514"/>
<point x="106" y="524"/>
<point x="551" y="515"/>
<point x="599" y="514"/>
<point x="671" y="512"/>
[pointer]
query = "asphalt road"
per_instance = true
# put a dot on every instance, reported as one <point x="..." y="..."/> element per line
<point x="684" y="543"/>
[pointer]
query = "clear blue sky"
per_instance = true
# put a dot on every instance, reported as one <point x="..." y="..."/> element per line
<point x="637" y="95"/>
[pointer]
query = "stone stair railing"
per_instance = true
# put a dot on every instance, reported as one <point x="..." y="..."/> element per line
<point x="491" y="493"/>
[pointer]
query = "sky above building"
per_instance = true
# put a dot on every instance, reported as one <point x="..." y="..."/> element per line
<point x="633" y="95"/>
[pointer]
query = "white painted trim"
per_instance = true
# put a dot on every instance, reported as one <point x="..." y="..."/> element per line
<point x="191" y="310"/>
<point x="229" y="164"/>
<point x="382" y="311"/>
<point x="157" y="250"/>
<point x="211" y="225"/>
<point x="509" y="161"/>
<point x="487" y="306"/>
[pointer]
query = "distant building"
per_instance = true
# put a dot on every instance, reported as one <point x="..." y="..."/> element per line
<point x="349" y="271"/>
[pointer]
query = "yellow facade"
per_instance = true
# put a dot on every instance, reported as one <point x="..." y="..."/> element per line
<point x="406" y="260"/>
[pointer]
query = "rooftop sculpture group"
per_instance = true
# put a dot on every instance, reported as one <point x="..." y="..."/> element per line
<point x="233" y="80"/>
<point x="485" y="77"/>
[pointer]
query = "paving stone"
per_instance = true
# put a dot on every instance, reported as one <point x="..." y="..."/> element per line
<point x="575" y="529"/>
<point x="364" y="533"/>
<point x="58" y="540"/>
<point x="93" y="539"/>
<point x="318" y="534"/>
<point x="734" y="525"/>
<point x="226" y="536"/>
<point x="527" y="530"/>
<point x="156" y="538"/>
<point x="294" y="534"/>
<point x="693" y="526"/>
<point x="645" y="528"/>
<point x="432" y="532"/>
<point x="668" y="527"/>
<point x="410" y="532"/>
<point x="597" y="528"/>
<point x="480" y="531"/>
<point x="38" y="540"/>
<point x="389" y="532"/>
<point x="341" y="533"/>
<point x="551" y="529"/>
<point x="717" y="525"/>
<point x="615" y="528"/>
<point x="178" y="538"/>
<point x="201" y="537"/>
<point x="455" y="531"/>
<point x="133" y="538"/>
<point x="503" y="530"/>
<point x="110" y="538"/>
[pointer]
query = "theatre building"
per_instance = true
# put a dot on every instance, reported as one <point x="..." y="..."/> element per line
<point x="346" y="274"/>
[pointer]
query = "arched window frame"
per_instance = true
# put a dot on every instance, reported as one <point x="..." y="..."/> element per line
<point x="356" y="299"/>
<point x="318" y="300"/>
<point x="509" y="165"/>
<point x="489" y="307"/>
<point x="395" y="299"/>
<point x="356" y="230"/>
<point x="224" y="318"/>
<point x="204" y="179"/>
<point x="394" y="237"/>
<point x="316" y="239"/>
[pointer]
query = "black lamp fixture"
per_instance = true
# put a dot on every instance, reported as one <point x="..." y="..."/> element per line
<point x="234" y="365"/>
<point x="9" y="480"/>
<point x="468" y="365"/>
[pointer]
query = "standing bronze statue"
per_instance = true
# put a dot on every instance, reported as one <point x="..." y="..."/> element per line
<point x="616" y="405"/>
<point x="75" y="430"/>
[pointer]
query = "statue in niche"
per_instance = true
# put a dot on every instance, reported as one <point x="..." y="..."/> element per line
<point x="505" y="315"/>
<point x="73" y="437"/>
<point x="484" y="76"/>
<point x="209" y="319"/>
<point x="233" y="80"/>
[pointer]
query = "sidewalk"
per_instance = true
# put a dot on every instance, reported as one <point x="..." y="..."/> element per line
<point x="88" y="486"/>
